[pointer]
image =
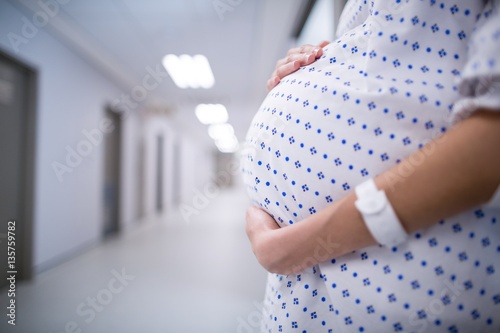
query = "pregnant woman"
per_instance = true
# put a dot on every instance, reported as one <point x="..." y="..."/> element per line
<point x="375" y="169"/>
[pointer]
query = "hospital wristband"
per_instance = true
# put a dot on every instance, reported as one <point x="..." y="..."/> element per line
<point x="378" y="214"/>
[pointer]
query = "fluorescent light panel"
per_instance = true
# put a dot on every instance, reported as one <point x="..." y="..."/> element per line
<point x="227" y="145"/>
<point x="220" y="131"/>
<point x="211" y="113"/>
<point x="216" y="116"/>
<point x="189" y="71"/>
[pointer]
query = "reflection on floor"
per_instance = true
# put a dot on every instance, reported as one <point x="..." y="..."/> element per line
<point x="166" y="276"/>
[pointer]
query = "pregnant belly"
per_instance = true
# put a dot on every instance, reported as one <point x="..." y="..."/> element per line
<point x="322" y="131"/>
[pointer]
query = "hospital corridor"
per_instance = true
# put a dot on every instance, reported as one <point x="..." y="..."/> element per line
<point x="165" y="276"/>
<point x="122" y="122"/>
<point x="249" y="166"/>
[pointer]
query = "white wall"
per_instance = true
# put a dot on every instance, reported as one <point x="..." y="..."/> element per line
<point x="196" y="160"/>
<point x="130" y="170"/>
<point x="72" y="96"/>
<point x="193" y="166"/>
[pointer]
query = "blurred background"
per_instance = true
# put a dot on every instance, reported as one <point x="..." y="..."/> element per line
<point x="121" y="204"/>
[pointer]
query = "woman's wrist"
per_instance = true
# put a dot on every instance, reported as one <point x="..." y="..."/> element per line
<point x="349" y="227"/>
<point x="336" y="230"/>
<point x="444" y="182"/>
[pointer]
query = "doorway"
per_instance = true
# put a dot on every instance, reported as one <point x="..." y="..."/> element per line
<point x="177" y="174"/>
<point x="159" y="173"/>
<point x="17" y="147"/>
<point x="112" y="171"/>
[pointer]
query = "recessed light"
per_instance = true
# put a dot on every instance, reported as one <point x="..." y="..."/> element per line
<point x="220" y="131"/>
<point x="189" y="71"/>
<point x="211" y="113"/>
<point x="227" y="145"/>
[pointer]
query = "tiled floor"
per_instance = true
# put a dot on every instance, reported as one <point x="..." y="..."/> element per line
<point x="173" y="276"/>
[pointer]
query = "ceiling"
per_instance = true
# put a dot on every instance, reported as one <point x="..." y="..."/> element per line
<point x="241" y="38"/>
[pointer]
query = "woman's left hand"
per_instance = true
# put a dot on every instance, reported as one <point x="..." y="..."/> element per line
<point x="296" y="57"/>
<point x="259" y="228"/>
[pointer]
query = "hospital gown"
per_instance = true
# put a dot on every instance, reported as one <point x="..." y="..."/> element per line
<point x="398" y="76"/>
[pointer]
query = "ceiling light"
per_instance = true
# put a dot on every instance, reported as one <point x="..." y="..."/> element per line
<point x="227" y="145"/>
<point x="203" y="72"/>
<point x="211" y="113"/>
<point x="189" y="71"/>
<point x="220" y="131"/>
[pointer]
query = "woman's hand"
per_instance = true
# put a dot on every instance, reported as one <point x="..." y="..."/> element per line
<point x="259" y="228"/>
<point x="292" y="249"/>
<point x="449" y="175"/>
<point x="296" y="57"/>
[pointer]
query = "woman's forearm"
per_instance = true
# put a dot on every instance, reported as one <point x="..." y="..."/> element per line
<point x="455" y="172"/>
<point x="460" y="171"/>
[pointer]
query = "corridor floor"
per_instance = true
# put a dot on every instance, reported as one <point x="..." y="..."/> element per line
<point x="166" y="275"/>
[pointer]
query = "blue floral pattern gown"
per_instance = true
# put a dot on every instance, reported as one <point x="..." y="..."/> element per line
<point x="398" y="76"/>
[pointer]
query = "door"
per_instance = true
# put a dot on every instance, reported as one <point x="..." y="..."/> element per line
<point x="17" y="124"/>
<point x="159" y="173"/>
<point x="177" y="175"/>
<point x="112" y="158"/>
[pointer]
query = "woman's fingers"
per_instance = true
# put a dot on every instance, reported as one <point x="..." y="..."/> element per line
<point x="296" y="57"/>
<point x="272" y="82"/>
<point x="308" y="48"/>
<point x="302" y="58"/>
<point x="323" y="43"/>
<point x="287" y="66"/>
<point x="257" y="221"/>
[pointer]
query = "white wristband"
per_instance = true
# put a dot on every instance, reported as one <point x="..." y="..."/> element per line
<point x="378" y="214"/>
<point x="495" y="199"/>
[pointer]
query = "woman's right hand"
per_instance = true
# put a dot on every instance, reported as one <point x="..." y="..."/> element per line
<point x="296" y="57"/>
